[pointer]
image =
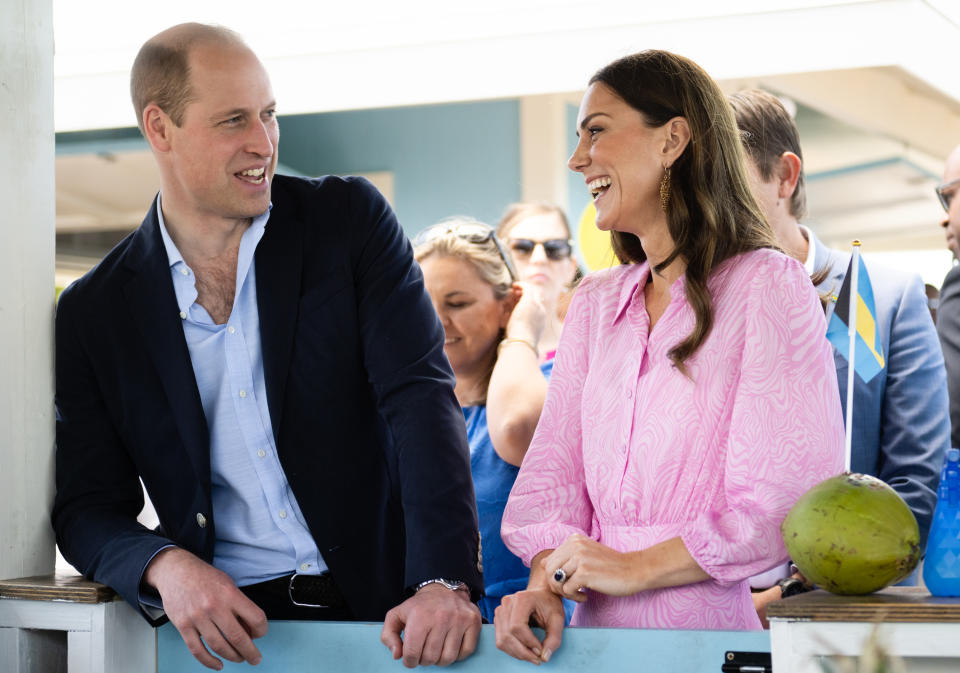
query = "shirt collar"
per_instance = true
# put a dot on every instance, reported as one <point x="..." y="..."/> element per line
<point x="173" y="253"/>
<point x="811" y="253"/>
<point x="636" y="279"/>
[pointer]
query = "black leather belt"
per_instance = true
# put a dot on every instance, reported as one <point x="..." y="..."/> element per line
<point x="308" y="591"/>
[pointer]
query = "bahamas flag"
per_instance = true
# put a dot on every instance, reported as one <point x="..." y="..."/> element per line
<point x="868" y="360"/>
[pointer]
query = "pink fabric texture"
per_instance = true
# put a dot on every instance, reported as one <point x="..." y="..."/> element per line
<point x="631" y="452"/>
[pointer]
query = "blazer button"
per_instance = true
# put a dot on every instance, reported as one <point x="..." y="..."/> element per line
<point x="201" y="520"/>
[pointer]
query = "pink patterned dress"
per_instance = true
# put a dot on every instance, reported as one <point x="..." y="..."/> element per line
<point x="631" y="452"/>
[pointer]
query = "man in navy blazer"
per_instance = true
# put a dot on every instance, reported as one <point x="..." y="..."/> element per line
<point x="901" y="426"/>
<point x="262" y="354"/>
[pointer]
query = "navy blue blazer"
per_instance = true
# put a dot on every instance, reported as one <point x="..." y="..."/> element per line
<point x="367" y="427"/>
<point x="901" y="422"/>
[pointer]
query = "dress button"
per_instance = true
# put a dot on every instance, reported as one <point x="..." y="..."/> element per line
<point x="231" y="330"/>
<point x="304" y="566"/>
<point x="243" y="393"/>
<point x="283" y="514"/>
<point x="261" y="453"/>
<point x="184" y="272"/>
<point x="629" y="393"/>
<point x="183" y="315"/>
<point x="201" y="520"/>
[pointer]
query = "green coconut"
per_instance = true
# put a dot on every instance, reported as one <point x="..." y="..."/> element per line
<point x="852" y="534"/>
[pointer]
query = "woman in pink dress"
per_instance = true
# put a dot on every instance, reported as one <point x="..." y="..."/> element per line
<point x="693" y="398"/>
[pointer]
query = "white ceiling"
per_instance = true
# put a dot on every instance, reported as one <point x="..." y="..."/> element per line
<point x="329" y="55"/>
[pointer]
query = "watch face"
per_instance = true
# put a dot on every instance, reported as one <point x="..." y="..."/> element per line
<point x="791" y="587"/>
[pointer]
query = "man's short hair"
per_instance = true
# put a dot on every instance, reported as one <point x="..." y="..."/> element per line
<point x="767" y="131"/>
<point x="161" y="70"/>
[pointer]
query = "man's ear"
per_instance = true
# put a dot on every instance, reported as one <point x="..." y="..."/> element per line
<point x="676" y="139"/>
<point x="157" y="126"/>
<point x="787" y="172"/>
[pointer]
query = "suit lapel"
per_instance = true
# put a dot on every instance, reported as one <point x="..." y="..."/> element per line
<point x="153" y="304"/>
<point x="278" y="263"/>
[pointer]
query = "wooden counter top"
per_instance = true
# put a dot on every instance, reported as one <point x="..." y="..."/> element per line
<point x="70" y="588"/>
<point x="893" y="604"/>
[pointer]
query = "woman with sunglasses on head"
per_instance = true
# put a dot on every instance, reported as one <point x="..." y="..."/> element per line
<point x="492" y="326"/>
<point x="693" y="398"/>
<point x="539" y="240"/>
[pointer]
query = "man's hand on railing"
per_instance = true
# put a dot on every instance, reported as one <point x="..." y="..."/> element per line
<point x="205" y="606"/>
<point x="439" y="626"/>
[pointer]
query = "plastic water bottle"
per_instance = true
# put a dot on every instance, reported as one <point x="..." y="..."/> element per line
<point x="941" y="564"/>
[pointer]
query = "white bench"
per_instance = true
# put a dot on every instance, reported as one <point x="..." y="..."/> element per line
<point x="68" y="624"/>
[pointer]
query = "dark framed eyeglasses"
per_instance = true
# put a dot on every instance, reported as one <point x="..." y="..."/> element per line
<point x="946" y="191"/>
<point x="472" y="232"/>
<point x="555" y="249"/>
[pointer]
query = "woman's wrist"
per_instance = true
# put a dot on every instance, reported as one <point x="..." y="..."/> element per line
<point x="508" y="341"/>
<point x="638" y="571"/>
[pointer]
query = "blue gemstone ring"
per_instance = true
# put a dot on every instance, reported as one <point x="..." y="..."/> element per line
<point x="560" y="576"/>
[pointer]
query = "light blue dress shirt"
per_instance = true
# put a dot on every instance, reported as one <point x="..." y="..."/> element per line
<point x="261" y="533"/>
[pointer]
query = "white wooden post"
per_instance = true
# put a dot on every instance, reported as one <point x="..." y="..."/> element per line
<point x="27" y="239"/>
<point x="26" y="315"/>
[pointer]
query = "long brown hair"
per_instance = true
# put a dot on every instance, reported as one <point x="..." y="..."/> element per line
<point x="711" y="212"/>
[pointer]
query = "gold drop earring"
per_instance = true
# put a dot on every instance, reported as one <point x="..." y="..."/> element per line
<point x="665" y="189"/>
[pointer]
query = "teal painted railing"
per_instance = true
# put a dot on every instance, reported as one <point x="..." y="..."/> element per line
<point x="291" y="647"/>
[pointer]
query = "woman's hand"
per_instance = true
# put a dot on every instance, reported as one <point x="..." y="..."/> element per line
<point x="529" y="314"/>
<point x="512" y="623"/>
<point x="587" y="564"/>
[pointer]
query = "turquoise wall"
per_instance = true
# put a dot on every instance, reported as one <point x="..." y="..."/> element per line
<point x="454" y="159"/>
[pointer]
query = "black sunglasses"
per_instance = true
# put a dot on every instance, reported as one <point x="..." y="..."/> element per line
<point x="946" y="192"/>
<point x="472" y="232"/>
<point x="555" y="249"/>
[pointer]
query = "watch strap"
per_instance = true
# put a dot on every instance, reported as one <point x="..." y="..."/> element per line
<point x="453" y="585"/>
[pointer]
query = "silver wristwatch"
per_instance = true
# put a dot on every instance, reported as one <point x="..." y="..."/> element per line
<point x="452" y="585"/>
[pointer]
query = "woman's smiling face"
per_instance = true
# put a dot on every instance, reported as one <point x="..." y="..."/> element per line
<point x="621" y="159"/>
<point x="471" y="315"/>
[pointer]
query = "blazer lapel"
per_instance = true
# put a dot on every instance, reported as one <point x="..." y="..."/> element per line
<point x="153" y="304"/>
<point x="278" y="260"/>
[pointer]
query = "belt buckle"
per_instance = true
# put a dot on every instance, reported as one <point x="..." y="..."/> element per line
<point x="300" y="605"/>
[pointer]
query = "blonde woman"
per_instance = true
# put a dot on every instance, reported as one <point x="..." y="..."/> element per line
<point x="492" y="326"/>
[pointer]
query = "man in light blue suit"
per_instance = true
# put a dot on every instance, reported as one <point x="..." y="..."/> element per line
<point x="901" y="423"/>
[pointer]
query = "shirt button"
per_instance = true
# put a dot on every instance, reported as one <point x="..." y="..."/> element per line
<point x="243" y="393"/>
<point x="231" y="330"/>
<point x="304" y="566"/>
<point x="201" y="520"/>
<point x="629" y="393"/>
<point x="623" y="449"/>
<point x="261" y="453"/>
<point x="184" y="272"/>
<point x="183" y="315"/>
<point x="283" y="514"/>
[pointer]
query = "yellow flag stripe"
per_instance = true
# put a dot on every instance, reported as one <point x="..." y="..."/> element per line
<point x="867" y="328"/>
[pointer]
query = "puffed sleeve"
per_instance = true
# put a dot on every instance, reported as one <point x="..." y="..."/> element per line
<point x="549" y="500"/>
<point x="786" y="429"/>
